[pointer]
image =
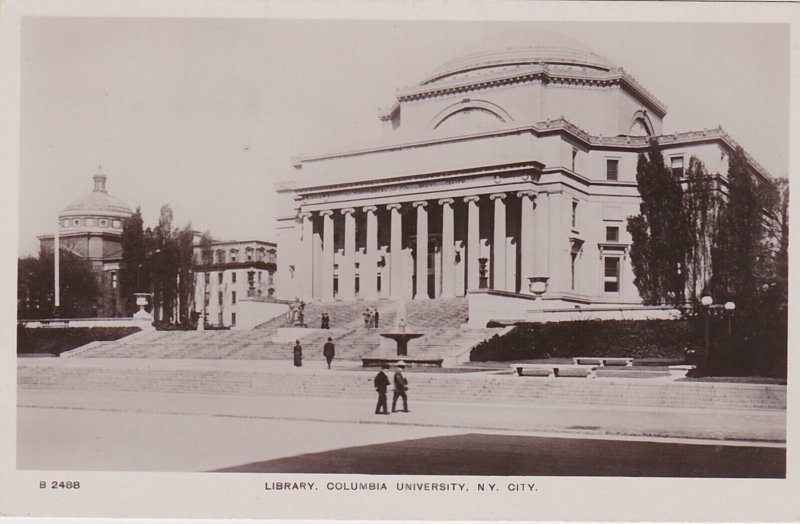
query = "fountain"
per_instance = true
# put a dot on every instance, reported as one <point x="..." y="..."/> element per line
<point x="400" y="335"/>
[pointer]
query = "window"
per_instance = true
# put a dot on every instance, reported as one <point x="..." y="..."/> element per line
<point x="219" y="298"/>
<point x="574" y="214"/>
<point x="612" y="234"/>
<point x="234" y="254"/>
<point x="574" y="156"/>
<point x="220" y="277"/>
<point x="259" y="277"/>
<point x="676" y="163"/>
<point x="103" y="222"/>
<point x="249" y="254"/>
<point x="612" y="169"/>
<point x="611" y="274"/>
<point x="233" y="297"/>
<point x="76" y="222"/>
<point x="233" y="277"/>
<point x="114" y="279"/>
<point x="233" y="319"/>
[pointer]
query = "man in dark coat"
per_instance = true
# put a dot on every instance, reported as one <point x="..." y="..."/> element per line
<point x="329" y="351"/>
<point x="381" y="383"/>
<point x="400" y="387"/>
<point x="298" y="353"/>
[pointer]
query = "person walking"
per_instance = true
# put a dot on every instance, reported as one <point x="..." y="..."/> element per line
<point x="329" y="351"/>
<point x="367" y="316"/>
<point x="298" y="354"/>
<point x="375" y="318"/>
<point x="381" y="383"/>
<point x="400" y="387"/>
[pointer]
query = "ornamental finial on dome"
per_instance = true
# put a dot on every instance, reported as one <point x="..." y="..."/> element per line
<point x="100" y="181"/>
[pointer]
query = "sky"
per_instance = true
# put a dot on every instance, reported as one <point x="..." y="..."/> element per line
<point x="205" y="114"/>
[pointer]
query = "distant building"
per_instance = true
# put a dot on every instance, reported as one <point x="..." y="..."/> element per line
<point x="91" y="227"/>
<point x="503" y="171"/>
<point x="228" y="272"/>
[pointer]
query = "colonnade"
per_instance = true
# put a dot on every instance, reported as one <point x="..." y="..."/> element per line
<point x="511" y="249"/>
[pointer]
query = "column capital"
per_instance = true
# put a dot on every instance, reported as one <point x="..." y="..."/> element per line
<point x="446" y="201"/>
<point x="472" y="198"/>
<point x="530" y="193"/>
<point x="495" y="196"/>
<point x="347" y="211"/>
<point x="394" y="206"/>
<point x="326" y="212"/>
<point x="369" y="209"/>
<point x="304" y="214"/>
<point x="420" y="203"/>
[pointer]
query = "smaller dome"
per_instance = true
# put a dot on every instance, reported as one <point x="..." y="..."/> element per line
<point x="99" y="202"/>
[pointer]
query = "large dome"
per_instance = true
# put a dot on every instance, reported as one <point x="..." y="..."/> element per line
<point x="542" y="47"/>
<point x="98" y="203"/>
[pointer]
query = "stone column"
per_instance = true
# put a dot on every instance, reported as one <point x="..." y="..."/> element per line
<point x="396" y="251"/>
<point x="422" y="250"/>
<point x="305" y="260"/>
<point x="499" y="242"/>
<point x="347" y="279"/>
<point x="369" y="268"/>
<point x="448" y="249"/>
<point x="473" y="241"/>
<point x="327" y="255"/>
<point x="542" y="226"/>
<point x="558" y="241"/>
<point x="526" y="239"/>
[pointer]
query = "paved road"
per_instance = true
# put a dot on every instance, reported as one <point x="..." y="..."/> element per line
<point x="487" y="454"/>
<point x="120" y="431"/>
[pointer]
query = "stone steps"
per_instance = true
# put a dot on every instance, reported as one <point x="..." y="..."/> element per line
<point x="149" y="376"/>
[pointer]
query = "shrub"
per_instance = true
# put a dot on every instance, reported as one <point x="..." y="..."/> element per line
<point x="58" y="340"/>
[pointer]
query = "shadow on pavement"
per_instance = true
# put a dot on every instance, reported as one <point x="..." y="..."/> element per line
<point x="486" y="454"/>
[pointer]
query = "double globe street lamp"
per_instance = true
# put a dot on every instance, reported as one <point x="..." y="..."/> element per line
<point x="708" y="304"/>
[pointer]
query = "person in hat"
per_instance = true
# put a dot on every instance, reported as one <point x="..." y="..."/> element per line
<point x="329" y="351"/>
<point x="298" y="354"/>
<point x="400" y="387"/>
<point x="381" y="383"/>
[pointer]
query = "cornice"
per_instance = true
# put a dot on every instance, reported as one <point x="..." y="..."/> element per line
<point x="537" y="73"/>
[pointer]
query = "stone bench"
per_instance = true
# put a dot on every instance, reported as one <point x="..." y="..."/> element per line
<point x="553" y="370"/>
<point x="604" y="361"/>
<point x="680" y="371"/>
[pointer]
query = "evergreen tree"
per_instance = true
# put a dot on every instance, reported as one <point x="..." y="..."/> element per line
<point x="185" y="249"/>
<point x="659" y="233"/>
<point x="133" y="275"/>
<point x="701" y="207"/>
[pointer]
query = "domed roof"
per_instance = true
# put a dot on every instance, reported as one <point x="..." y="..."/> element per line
<point x="98" y="202"/>
<point x="540" y="47"/>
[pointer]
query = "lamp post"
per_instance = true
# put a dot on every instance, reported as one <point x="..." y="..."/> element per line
<point x="730" y="307"/>
<point x="706" y="301"/>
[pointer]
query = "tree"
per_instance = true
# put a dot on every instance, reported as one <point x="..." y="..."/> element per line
<point x="80" y="290"/>
<point x="184" y="242"/>
<point x="701" y="207"/>
<point x="134" y="277"/>
<point x="659" y="233"/>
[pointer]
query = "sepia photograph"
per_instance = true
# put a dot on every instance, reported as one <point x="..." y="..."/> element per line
<point x="411" y="257"/>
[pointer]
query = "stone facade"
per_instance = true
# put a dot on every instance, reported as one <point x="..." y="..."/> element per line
<point x="230" y="272"/>
<point x="500" y="167"/>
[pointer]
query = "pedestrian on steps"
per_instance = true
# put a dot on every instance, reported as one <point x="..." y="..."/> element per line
<point x="329" y="351"/>
<point x="381" y="383"/>
<point x="400" y="387"/>
<point x="375" y="318"/>
<point x="298" y="354"/>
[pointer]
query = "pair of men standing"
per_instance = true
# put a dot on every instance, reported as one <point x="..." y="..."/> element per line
<point x="400" y="388"/>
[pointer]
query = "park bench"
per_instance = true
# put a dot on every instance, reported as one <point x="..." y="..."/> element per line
<point x="553" y="370"/>
<point x="604" y="361"/>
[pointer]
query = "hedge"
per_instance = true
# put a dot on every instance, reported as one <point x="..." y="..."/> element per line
<point x="653" y="339"/>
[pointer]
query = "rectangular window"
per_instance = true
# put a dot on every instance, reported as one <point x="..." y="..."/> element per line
<point x="234" y="254"/>
<point x="572" y="270"/>
<point x="233" y="297"/>
<point x="233" y="319"/>
<point x="233" y="277"/>
<point x="676" y="163"/>
<point x="611" y="274"/>
<point x="114" y="279"/>
<point x="612" y="169"/>
<point x="219" y="298"/>
<point x="574" y="156"/>
<point x="612" y="234"/>
<point x="220" y="277"/>
<point x="574" y="214"/>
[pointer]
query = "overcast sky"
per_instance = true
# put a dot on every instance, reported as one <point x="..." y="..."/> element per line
<point x="204" y="114"/>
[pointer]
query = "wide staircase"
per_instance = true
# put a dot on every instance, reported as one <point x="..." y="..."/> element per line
<point x="440" y="320"/>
